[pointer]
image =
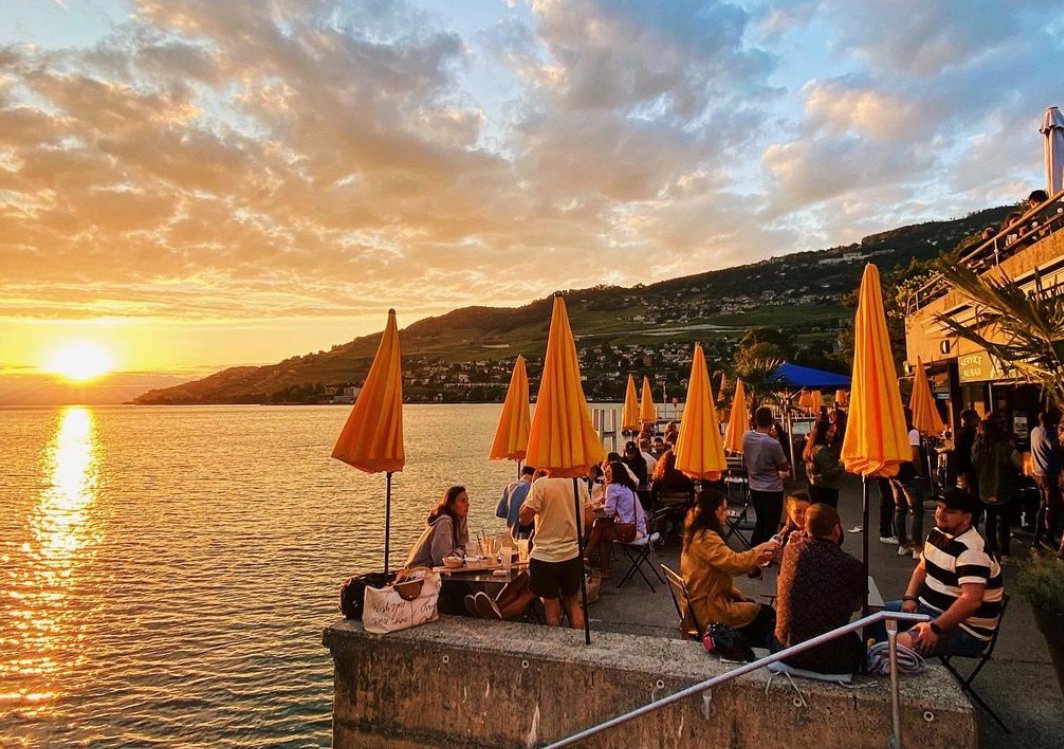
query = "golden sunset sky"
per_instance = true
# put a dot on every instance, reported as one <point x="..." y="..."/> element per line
<point x="188" y="184"/>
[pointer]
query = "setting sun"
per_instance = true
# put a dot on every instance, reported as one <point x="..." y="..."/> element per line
<point x="81" y="362"/>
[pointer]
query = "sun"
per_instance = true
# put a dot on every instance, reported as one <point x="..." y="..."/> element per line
<point x="81" y="362"/>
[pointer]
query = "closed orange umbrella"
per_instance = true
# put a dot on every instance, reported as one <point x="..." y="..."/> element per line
<point x="563" y="439"/>
<point x="630" y="414"/>
<point x="738" y="421"/>
<point x="511" y="435"/>
<point x="818" y="401"/>
<point x="647" y="412"/>
<point x="925" y="416"/>
<point x="876" y="441"/>
<point x="699" y="450"/>
<point x="805" y="400"/>
<point x="841" y="398"/>
<point x="723" y="385"/>
<point x="372" y="438"/>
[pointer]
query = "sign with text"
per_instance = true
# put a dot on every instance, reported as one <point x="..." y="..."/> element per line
<point x="977" y="367"/>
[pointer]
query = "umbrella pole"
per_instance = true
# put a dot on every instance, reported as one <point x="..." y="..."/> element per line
<point x="864" y="559"/>
<point x="387" y="520"/>
<point x="518" y="469"/>
<point x="580" y="546"/>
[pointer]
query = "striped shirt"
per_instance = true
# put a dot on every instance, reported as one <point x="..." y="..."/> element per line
<point x="951" y="561"/>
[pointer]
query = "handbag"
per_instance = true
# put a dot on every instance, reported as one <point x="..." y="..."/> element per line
<point x="411" y="602"/>
<point x="727" y="642"/>
<point x="353" y="592"/>
<point x="625" y="532"/>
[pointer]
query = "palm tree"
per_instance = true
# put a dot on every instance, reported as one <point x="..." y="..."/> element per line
<point x="1024" y="329"/>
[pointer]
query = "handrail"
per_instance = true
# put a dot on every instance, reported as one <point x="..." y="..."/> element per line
<point x="934" y="286"/>
<point x="854" y="626"/>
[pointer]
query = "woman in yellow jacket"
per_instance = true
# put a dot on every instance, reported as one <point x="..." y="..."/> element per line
<point x="707" y="565"/>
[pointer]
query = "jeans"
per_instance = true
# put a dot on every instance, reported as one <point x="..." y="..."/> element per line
<point x="886" y="508"/>
<point x="768" y="506"/>
<point x="998" y="529"/>
<point x="909" y="498"/>
<point x="954" y="642"/>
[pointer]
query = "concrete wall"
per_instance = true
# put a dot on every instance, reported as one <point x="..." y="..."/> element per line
<point x="465" y="683"/>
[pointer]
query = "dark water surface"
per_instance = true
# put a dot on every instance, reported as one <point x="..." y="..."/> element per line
<point x="165" y="573"/>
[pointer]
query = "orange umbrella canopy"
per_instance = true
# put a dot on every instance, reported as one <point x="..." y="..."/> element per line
<point x="738" y="421"/>
<point x="723" y="385"/>
<point x="562" y="438"/>
<point x="840" y="397"/>
<point x="805" y="400"/>
<point x="630" y="414"/>
<point x="372" y="438"/>
<point x="647" y="412"/>
<point x="922" y="403"/>
<point x="699" y="450"/>
<point x="876" y="441"/>
<point x="511" y="435"/>
<point x="818" y="401"/>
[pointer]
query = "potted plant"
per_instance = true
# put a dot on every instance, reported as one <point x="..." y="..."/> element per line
<point x="1041" y="581"/>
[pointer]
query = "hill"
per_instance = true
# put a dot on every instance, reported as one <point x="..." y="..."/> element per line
<point x="466" y="354"/>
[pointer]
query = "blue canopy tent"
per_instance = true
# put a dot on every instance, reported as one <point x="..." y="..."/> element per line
<point x="792" y="375"/>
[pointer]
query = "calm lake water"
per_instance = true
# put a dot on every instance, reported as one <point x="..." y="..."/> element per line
<point x="165" y="573"/>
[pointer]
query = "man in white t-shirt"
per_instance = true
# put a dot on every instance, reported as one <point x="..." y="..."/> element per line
<point x="908" y="488"/>
<point x="555" y="567"/>
<point x="644" y="450"/>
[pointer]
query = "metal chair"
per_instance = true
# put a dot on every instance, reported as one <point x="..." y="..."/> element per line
<point x="681" y="599"/>
<point x="641" y="551"/>
<point x="739" y="523"/>
<point x="981" y="660"/>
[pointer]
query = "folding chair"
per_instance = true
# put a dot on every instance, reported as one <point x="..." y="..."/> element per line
<point x="681" y="599"/>
<point x="739" y="523"/>
<point x="981" y="660"/>
<point x="641" y="551"/>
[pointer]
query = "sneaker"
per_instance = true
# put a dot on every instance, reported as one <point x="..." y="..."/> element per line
<point x="857" y="529"/>
<point x="916" y="553"/>
<point x="470" y="605"/>
<point x="486" y="606"/>
<point x="905" y="550"/>
<point x="891" y="540"/>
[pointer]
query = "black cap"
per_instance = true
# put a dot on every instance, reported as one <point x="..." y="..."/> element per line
<point x="959" y="499"/>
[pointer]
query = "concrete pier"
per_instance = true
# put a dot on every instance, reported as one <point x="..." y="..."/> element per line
<point x="465" y="683"/>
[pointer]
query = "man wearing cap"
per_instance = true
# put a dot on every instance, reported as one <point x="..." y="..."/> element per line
<point x="957" y="583"/>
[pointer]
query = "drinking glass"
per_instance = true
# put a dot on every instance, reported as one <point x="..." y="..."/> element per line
<point x="522" y="550"/>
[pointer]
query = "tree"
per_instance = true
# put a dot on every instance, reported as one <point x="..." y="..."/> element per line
<point x="1023" y="329"/>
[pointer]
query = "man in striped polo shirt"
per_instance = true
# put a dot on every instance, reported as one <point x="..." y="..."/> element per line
<point x="956" y="582"/>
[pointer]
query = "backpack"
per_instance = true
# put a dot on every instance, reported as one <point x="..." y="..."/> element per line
<point x="353" y="591"/>
<point x="728" y="643"/>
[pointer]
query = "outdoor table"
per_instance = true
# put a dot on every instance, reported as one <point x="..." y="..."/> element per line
<point x="456" y="584"/>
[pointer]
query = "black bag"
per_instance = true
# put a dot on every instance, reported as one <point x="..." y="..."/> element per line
<point x="728" y="643"/>
<point x="353" y="591"/>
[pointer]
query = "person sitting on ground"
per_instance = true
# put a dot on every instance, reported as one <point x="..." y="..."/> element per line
<point x="644" y="450"/>
<point x="633" y="459"/>
<point x="513" y="496"/>
<point x="511" y="603"/>
<point x="555" y="567"/>
<point x="956" y="582"/>
<point x="822" y="466"/>
<point x="707" y="565"/>
<point x="819" y="588"/>
<point x="796" y="506"/>
<point x="445" y="533"/>
<point x="622" y="512"/>
<point x="765" y="464"/>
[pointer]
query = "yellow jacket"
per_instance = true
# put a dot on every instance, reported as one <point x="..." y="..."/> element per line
<point x="707" y="566"/>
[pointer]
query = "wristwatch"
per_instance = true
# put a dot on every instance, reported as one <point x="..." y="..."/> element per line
<point x="936" y="629"/>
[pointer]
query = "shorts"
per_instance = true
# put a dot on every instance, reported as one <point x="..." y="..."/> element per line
<point x="549" y="579"/>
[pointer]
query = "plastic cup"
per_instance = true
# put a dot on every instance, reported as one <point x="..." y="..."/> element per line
<point x="522" y="550"/>
<point x="507" y="558"/>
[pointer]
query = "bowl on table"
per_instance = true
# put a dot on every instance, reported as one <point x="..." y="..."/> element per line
<point x="453" y="563"/>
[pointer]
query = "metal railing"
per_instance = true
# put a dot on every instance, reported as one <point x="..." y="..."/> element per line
<point x="890" y="617"/>
<point x="1036" y="224"/>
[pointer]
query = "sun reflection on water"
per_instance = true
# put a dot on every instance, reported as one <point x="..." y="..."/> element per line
<point x="42" y="642"/>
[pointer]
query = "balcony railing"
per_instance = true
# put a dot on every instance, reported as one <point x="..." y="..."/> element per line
<point x="1034" y="225"/>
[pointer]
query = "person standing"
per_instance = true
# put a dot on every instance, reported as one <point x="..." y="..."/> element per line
<point x="509" y="508"/>
<point x="962" y="451"/>
<point x="555" y="566"/>
<point x="997" y="465"/>
<point x="765" y="466"/>
<point x="908" y="490"/>
<point x="822" y="466"/>
<point x="1046" y="460"/>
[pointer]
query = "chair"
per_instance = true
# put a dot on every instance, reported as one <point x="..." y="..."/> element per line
<point x="641" y="551"/>
<point x="981" y="660"/>
<point x="739" y="523"/>
<point x="681" y="599"/>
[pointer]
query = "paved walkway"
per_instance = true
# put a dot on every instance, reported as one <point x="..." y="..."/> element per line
<point x="1019" y="683"/>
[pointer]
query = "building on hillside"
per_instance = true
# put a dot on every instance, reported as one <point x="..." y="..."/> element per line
<point x="963" y="375"/>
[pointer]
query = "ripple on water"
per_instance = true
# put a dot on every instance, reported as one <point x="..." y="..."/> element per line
<point x="165" y="573"/>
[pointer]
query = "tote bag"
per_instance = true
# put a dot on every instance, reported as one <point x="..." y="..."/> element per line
<point x="387" y="611"/>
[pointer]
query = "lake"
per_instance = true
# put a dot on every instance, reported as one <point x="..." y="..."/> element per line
<point x="165" y="572"/>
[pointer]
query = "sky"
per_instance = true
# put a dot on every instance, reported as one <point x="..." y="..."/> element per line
<point x="191" y="184"/>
